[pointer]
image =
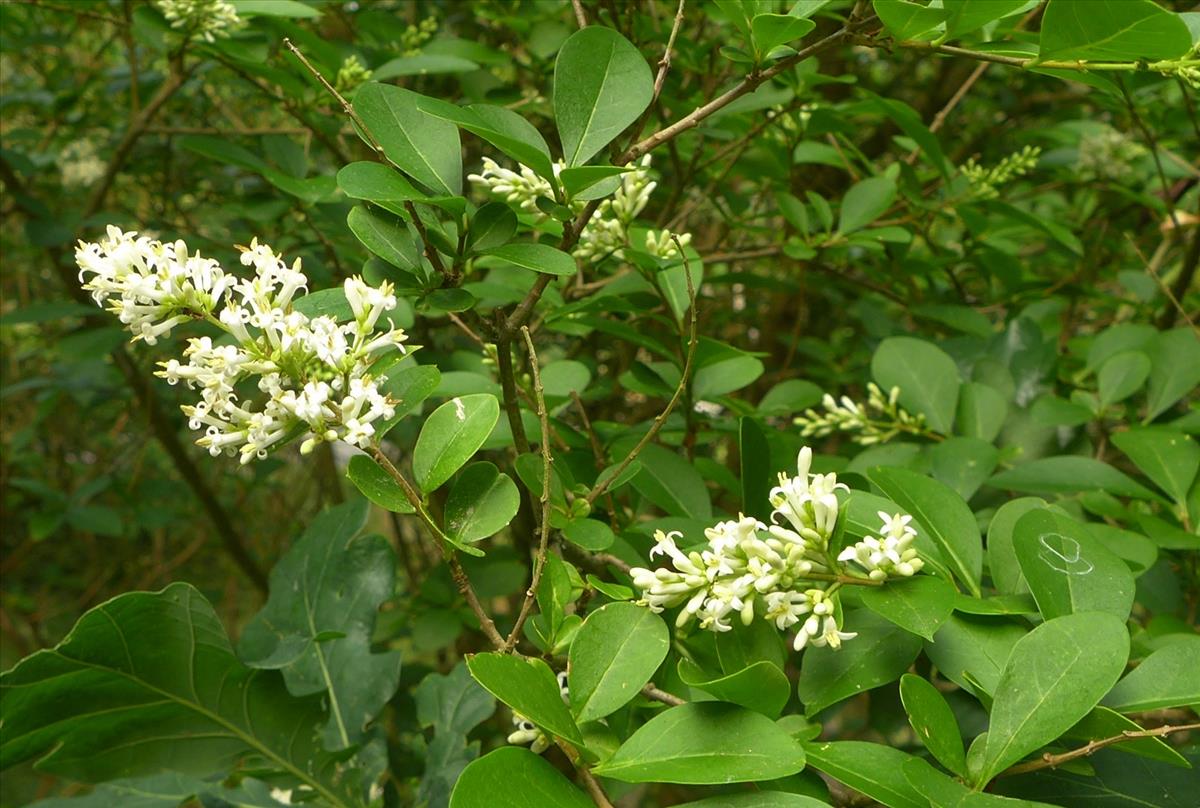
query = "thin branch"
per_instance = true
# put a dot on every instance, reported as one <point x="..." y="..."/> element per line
<point x="1050" y="761"/>
<point x="593" y="788"/>
<point x="664" y="64"/>
<point x="652" y="692"/>
<point x="539" y="562"/>
<point x="748" y="84"/>
<point x="347" y="107"/>
<point x="660" y="419"/>
<point x="1079" y="65"/>
<point x="463" y="583"/>
<point x="580" y="16"/>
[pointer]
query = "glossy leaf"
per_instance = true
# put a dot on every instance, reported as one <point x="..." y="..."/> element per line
<point x="1111" y="30"/>
<point x="617" y="650"/>
<point x="671" y="483"/>
<point x="1001" y="554"/>
<point x="423" y="146"/>
<point x="761" y="687"/>
<point x="1169" y="677"/>
<point x="450" y="436"/>
<point x="482" y="503"/>
<point x="513" y="777"/>
<point x="908" y="20"/>
<point x="601" y="85"/>
<point x="529" y="687"/>
<point x="871" y="768"/>
<point x="1055" y="675"/>
<point x="865" y="202"/>
<point x="919" y="604"/>
<point x="981" y="411"/>
<point x="879" y="654"/>
<point x="1122" y="376"/>
<point x="385" y="236"/>
<point x="933" y="721"/>
<point x="1067" y="569"/>
<point x="1169" y="458"/>
<point x="538" y="257"/>
<point x="927" y="377"/>
<point x="374" y="483"/>
<point x="705" y="743"/>
<point x="1067" y="474"/>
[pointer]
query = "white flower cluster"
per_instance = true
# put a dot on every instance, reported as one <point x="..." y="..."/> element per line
<point x="847" y="415"/>
<point x="521" y="187"/>
<point x="80" y="164"/>
<point x="889" y="555"/>
<point x="527" y="732"/>
<point x="774" y="569"/>
<point x="607" y="232"/>
<point x="206" y="19"/>
<point x="312" y="371"/>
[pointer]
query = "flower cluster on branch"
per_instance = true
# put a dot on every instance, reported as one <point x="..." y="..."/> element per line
<point x="313" y="374"/>
<point x="784" y="571"/>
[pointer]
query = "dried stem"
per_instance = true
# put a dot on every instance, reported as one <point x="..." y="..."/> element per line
<point x="580" y="16"/>
<point x="660" y="419"/>
<point x="539" y="562"/>
<point x="652" y="692"/>
<point x="664" y="64"/>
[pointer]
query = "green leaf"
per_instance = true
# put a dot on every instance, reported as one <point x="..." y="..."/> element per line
<point x="601" y="85"/>
<point x="331" y="581"/>
<point x="381" y="184"/>
<point x="482" y="503"/>
<point x="617" y="650"/>
<point x="148" y="682"/>
<point x="1067" y="474"/>
<point x="577" y="180"/>
<point x="530" y="688"/>
<point x="864" y="203"/>
<point x="1174" y="371"/>
<point x="705" y="743"/>
<point x="964" y="464"/>
<point x="754" y="457"/>
<point x="512" y="777"/>
<point x="1111" y="30"/>
<point x="374" y="483"/>
<point x="971" y="651"/>
<point x="1167" y="678"/>
<point x="927" y="377"/>
<point x="424" y="147"/>
<point x="167" y="790"/>
<point x="788" y="397"/>
<point x="907" y="20"/>
<point x="274" y="8"/>
<point x="1055" y="675"/>
<point x="761" y="687"/>
<point x="503" y="128"/>
<point x="1114" y="779"/>
<point x="965" y="16"/>
<point x="758" y="799"/>
<point x="772" y="30"/>
<point x="538" y="257"/>
<point x="325" y="303"/>
<point x="491" y="227"/>
<point x="879" y="654"/>
<point x="872" y="768"/>
<point x="1122" y="376"/>
<point x="1001" y="555"/>
<point x="942" y="514"/>
<point x="1169" y="458"/>
<point x="565" y="376"/>
<point x="672" y="483"/>
<point x="1067" y="569"/>
<point x="422" y="64"/>
<point x="725" y="375"/>
<point x="933" y="721"/>
<point x="919" y="604"/>
<point x="590" y="534"/>
<point x="385" y="236"/>
<point x="450" y="436"/>
<point x="1103" y="722"/>
<point x="407" y="388"/>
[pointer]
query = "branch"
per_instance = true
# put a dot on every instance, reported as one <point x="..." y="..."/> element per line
<point x="544" y="538"/>
<point x="1049" y="761"/>
<point x="664" y="64"/>
<point x="652" y="692"/>
<point x="1025" y="63"/>
<point x="580" y="16"/>
<point x="347" y="107"/>
<point x="748" y="84"/>
<point x="661" y="418"/>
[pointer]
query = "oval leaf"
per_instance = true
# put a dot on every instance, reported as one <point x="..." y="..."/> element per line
<point x="616" y="651"/>
<point x="452" y="433"/>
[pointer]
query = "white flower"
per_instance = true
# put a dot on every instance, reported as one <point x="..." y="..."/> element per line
<point x="313" y="371"/>
<point x="892" y="554"/>
<point x="206" y="19"/>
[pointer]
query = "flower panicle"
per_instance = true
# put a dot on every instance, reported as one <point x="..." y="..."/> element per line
<point x="312" y="373"/>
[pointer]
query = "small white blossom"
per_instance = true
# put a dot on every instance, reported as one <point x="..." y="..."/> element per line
<point x="527" y="732"/>
<point x="206" y="19"/>
<point x="892" y="554"/>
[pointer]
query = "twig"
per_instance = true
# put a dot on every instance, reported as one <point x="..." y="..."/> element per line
<point x="593" y="788"/>
<point x="748" y="84"/>
<point x="1156" y="261"/>
<point x="347" y="107"/>
<point x="664" y="64"/>
<point x="1031" y="62"/>
<point x="1049" y="761"/>
<point x="959" y="95"/>
<point x="544" y="527"/>
<point x="461" y="579"/>
<point x="652" y="692"/>
<point x="580" y="16"/>
<point x="660" y="419"/>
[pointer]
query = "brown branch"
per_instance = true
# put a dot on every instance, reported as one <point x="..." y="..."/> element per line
<point x="660" y="419"/>
<point x="1050" y="761"/>
<point x="580" y="16"/>
<point x="539" y="562"/>
<point x="664" y="64"/>
<point x="347" y="107"/>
